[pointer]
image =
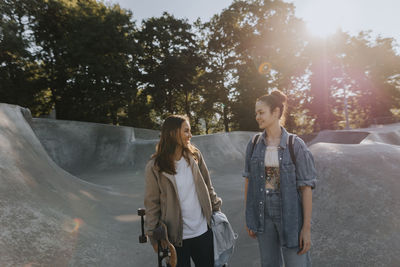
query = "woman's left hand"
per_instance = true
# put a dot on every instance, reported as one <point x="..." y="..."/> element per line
<point x="305" y="241"/>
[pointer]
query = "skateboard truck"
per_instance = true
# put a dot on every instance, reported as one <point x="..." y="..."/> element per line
<point x="142" y="238"/>
<point x="165" y="249"/>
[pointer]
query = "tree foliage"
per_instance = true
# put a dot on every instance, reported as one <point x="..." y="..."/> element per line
<point x="170" y="65"/>
<point x="91" y="61"/>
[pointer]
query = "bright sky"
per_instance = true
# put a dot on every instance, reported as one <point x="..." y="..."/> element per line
<point x="380" y="16"/>
<point x="323" y="16"/>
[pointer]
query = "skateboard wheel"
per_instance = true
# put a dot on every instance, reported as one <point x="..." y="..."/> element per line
<point x="141" y="212"/>
<point x="142" y="239"/>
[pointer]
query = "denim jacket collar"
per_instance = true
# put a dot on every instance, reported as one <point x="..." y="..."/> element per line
<point x="284" y="138"/>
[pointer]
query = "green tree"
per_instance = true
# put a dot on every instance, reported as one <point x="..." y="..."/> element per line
<point x="218" y="79"/>
<point x="324" y="71"/>
<point x="373" y="79"/>
<point x="252" y="34"/>
<point x="170" y="64"/>
<point x="87" y="51"/>
<point x="341" y="71"/>
<point x="19" y="73"/>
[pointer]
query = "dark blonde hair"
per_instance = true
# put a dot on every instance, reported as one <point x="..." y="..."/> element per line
<point x="165" y="149"/>
<point x="276" y="99"/>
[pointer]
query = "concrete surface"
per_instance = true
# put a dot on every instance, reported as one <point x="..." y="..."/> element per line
<point x="69" y="193"/>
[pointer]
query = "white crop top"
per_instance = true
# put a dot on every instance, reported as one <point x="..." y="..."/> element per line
<point x="271" y="157"/>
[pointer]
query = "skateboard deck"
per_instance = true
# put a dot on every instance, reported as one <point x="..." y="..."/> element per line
<point x="165" y="249"/>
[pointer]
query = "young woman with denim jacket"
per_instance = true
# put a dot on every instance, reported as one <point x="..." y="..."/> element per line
<point x="179" y="193"/>
<point x="277" y="190"/>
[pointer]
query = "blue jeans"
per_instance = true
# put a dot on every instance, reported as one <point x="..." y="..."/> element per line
<point x="271" y="252"/>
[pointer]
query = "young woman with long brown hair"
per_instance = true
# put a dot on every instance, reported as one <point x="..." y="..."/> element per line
<point x="180" y="194"/>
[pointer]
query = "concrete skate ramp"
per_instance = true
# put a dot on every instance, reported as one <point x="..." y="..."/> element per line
<point x="340" y="137"/>
<point x="70" y="192"/>
<point x="389" y="134"/>
<point x="356" y="215"/>
<point x="51" y="218"/>
<point x="77" y="146"/>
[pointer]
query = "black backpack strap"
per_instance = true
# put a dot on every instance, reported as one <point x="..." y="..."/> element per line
<point x="291" y="148"/>
<point x="255" y="139"/>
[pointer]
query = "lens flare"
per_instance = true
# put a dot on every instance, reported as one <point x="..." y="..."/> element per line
<point x="78" y="223"/>
<point x="88" y="195"/>
<point x="264" y="68"/>
<point x="73" y="226"/>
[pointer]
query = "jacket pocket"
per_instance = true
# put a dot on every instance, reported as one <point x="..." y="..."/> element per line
<point x="288" y="173"/>
<point x="255" y="166"/>
<point x="288" y="167"/>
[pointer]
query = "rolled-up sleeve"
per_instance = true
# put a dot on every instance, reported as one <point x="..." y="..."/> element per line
<point x="216" y="201"/>
<point x="246" y="171"/>
<point x="306" y="174"/>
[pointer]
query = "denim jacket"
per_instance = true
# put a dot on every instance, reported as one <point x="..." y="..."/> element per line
<point x="224" y="238"/>
<point x="291" y="178"/>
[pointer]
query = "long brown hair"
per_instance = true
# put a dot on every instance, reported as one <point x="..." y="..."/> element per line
<point x="276" y="99"/>
<point x="165" y="149"/>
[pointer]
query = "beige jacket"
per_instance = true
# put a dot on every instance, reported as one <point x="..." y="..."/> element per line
<point x="162" y="201"/>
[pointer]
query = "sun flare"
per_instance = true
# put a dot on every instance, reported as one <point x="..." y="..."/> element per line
<point x="324" y="18"/>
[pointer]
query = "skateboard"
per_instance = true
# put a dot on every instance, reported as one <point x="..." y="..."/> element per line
<point x="166" y="251"/>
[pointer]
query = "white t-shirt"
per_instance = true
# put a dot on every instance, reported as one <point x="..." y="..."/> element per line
<point x="194" y="222"/>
